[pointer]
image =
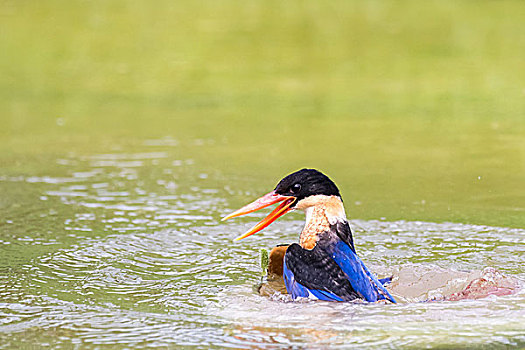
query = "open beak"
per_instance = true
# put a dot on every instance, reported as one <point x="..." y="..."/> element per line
<point x="266" y="200"/>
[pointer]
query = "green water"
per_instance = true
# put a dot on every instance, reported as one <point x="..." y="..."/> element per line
<point x="129" y="128"/>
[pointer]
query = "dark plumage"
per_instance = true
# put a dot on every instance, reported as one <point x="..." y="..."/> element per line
<point x="318" y="271"/>
<point x="306" y="182"/>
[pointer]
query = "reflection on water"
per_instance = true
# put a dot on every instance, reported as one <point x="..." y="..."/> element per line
<point x="141" y="258"/>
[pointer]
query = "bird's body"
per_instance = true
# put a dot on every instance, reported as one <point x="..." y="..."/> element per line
<point x="324" y="264"/>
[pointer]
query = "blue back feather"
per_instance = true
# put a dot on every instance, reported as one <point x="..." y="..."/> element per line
<point x="363" y="281"/>
<point x="360" y="277"/>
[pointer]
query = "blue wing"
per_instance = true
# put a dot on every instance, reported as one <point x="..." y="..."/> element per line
<point x="363" y="281"/>
<point x="335" y="274"/>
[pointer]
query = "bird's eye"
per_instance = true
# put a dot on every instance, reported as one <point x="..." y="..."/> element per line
<point x="296" y="188"/>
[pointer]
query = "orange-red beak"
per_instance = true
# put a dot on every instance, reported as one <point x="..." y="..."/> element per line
<point x="266" y="200"/>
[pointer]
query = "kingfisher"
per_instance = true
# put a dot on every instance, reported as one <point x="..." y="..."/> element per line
<point x="324" y="264"/>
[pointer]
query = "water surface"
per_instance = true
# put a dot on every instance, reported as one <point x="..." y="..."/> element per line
<point x="128" y="129"/>
<point x="143" y="260"/>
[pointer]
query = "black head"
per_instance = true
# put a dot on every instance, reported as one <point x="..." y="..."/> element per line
<point x="305" y="183"/>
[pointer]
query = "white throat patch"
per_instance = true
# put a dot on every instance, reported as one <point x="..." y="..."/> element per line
<point x="330" y="207"/>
